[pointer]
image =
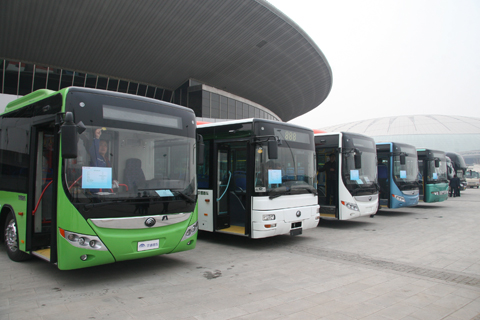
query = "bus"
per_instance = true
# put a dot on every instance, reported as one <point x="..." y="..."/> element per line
<point x="91" y="177"/>
<point x="397" y="167"/>
<point x="473" y="179"/>
<point x="450" y="168"/>
<point x="352" y="191"/>
<point x="432" y="175"/>
<point x="257" y="179"/>
<point x="459" y="166"/>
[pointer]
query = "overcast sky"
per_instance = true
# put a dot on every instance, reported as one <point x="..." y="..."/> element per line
<point x="389" y="58"/>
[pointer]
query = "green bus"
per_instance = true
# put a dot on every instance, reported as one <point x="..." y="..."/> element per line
<point x="432" y="175"/>
<point x="90" y="177"/>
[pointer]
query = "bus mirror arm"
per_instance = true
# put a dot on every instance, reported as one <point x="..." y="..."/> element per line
<point x="81" y="127"/>
<point x="357" y="157"/>
<point x="272" y="145"/>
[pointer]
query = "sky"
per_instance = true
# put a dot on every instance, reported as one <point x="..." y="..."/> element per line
<point x="392" y="58"/>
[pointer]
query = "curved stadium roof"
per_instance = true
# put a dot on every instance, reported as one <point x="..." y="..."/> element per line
<point x="447" y="133"/>
<point x="415" y="124"/>
<point x="248" y="48"/>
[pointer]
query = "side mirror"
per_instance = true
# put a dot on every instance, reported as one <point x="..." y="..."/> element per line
<point x="358" y="161"/>
<point x="437" y="163"/>
<point x="402" y="159"/>
<point x="357" y="158"/>
<point x="200" y="150"/>
<point x="69" y="137"/>
<point x="272" y="149"/>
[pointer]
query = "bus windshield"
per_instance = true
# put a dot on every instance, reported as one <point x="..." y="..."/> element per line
<point x="434" y="174"/>
<point x="359" y="181"/>
<point x="117" y="164"/>
<point x="406" y="175"/>
<point x="292" y="173"/>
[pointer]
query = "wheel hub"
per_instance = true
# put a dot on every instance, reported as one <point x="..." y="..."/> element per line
<point x="11" y="236"/>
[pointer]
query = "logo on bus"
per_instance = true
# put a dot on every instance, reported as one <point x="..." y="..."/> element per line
<point x="299" y="213"/>
<point x="150" y="222"/>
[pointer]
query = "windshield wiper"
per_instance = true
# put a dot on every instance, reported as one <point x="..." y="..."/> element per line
<point x="101" y="204"/>
<point x="308" y="188"/>
<point x="135" y="201"/>
<point x="187" y="197"/>
<point x="279" y="193"/>
<point x="273" y="196"/>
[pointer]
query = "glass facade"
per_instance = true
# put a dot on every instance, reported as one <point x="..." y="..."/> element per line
<point x="19" y="78"/>
<point x="217" y="106"/>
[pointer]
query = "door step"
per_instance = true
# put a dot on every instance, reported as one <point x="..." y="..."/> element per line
<point x="328" y="211"/>
<point x="234" y="229"/>
<point x="42" y="254"/>
<point x="328" y="215"/>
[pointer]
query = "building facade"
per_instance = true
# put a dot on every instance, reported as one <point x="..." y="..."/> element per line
<point x="223" y="59"/>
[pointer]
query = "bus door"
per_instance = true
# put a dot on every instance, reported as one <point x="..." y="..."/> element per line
<point x="421" y="180"/>
<point x="384" y="179"/>
<point x="327" y="207"/>
<point x="42" y="205"/>
<point x="231" y="215"/>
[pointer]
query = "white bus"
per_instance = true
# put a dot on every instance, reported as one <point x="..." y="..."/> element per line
<point x="258" y="178"/>
<point x="352" y="191"/>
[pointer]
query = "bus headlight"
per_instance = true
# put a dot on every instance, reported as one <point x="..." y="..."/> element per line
<point x="351" y="206"/>
<point x="191" y="231"/>
<point x="399" y="198"/>
<point x="83" y="241"/>
<point x="435" y="193"/>
<point x="268" y="217"/>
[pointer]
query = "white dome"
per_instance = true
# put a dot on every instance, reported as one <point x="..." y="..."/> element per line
<point x="441" y="132"/>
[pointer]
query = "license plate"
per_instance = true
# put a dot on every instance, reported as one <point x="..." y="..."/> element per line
<point x="148" y="245"/>
<point x="296" y="232"/>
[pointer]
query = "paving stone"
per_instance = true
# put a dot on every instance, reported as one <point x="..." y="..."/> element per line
<point x="415" y="265"/>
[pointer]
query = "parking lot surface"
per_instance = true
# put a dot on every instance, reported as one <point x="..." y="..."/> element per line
<point x="415" y="263"/>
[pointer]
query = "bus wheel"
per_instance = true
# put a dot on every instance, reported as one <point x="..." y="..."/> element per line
<point x="11" y="240"/>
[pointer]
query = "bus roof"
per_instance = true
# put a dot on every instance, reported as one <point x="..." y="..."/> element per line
<point x="430" y="150"/>
<point x="45" y="93"/>
<point x="28" y="99"/>
<point x="249" y="120"/>
<point x="458" y="159"/>
<point x="342" y="133"/>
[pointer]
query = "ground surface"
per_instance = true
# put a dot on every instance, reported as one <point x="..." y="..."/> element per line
<point x="415" y="263"/>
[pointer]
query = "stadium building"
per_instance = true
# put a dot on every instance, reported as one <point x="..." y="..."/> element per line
<point x="223" y="59"/>
<point x="447" y="133"/>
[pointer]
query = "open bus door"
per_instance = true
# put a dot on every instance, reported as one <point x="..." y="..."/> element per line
<point x="41" y="208"/>
<point x="231" y="193"/>
<point x="328" y="205"/>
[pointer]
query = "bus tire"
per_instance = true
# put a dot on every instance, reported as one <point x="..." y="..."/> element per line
<point x="11" y="240"/>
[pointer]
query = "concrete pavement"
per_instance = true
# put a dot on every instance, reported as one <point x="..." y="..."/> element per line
<point x="415" y="263"/>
